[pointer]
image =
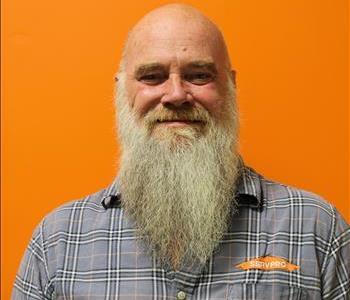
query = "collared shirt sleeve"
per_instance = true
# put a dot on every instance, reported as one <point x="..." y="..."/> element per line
<point x="336" y="267"/>
<point x="32" y="280"/>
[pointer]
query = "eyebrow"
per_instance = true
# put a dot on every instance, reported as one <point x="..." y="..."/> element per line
<point x="200" y="64"/>
<point x="145" y="68"/>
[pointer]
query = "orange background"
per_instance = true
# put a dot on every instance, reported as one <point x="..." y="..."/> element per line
<point x="58" y="63"/>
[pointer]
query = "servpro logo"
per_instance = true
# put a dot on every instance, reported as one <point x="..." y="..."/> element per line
<point x="268" y="263"/>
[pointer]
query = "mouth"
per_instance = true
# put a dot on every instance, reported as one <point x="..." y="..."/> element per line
<point x="179" y="122"/>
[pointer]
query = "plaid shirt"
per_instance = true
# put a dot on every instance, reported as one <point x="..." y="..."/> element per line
<point x="87" y="250"/>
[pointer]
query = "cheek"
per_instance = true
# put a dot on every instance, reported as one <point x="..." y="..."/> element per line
<point x="146" y="98"/>
<point x="209" y="97"/>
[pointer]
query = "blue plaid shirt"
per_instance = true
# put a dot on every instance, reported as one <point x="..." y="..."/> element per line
<point x="87" y="250"/>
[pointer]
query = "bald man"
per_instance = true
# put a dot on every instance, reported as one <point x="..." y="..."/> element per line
<point x="185" y="218"/>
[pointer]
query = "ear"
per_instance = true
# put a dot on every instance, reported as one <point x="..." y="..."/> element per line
<point x="233" y="76"/>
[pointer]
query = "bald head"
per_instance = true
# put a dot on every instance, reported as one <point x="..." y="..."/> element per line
<point x="175" y="24"/>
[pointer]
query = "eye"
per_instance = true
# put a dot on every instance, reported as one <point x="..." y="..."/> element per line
<point x="199" y="78"/>
<point x="152" y="78"/>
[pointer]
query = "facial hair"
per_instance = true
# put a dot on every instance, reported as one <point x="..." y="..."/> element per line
<point x="178" y="184"/>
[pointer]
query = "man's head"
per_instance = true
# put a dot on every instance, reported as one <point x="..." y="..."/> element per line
<point x="178" y="128"/>
<point x="175" y="60"/>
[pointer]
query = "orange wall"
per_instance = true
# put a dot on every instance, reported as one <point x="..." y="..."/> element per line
<point x="58" y="63"/>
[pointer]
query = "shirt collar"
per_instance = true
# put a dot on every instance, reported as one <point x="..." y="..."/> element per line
<point x="249" y="191"/>
<point x="111" y="195"/>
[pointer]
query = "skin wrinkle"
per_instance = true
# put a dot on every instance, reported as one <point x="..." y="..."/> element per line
<point x="177" y="181"/>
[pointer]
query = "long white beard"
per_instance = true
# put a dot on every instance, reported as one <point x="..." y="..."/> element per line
<point x="178" y="185"/>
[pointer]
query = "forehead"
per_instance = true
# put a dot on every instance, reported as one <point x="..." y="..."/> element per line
<point x="173" y="46"/>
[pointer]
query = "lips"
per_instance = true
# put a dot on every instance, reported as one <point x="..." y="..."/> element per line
<point x="178" y="122"/>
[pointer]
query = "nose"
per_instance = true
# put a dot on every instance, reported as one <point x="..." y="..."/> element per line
<point x="175" y="94"/>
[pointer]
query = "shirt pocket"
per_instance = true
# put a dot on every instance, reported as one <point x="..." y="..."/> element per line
<point x="265" y="292"/>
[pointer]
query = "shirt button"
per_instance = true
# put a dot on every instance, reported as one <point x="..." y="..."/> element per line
<point x="181" y="295"/>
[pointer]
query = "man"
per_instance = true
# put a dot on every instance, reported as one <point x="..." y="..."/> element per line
<point x="185" y="218"/>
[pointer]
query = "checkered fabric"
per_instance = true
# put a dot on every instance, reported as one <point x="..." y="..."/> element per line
<point x="87" y="250"/>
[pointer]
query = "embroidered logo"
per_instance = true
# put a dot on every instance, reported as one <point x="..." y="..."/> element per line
<point x="267" y="263"/>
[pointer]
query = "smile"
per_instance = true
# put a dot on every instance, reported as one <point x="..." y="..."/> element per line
<point x="179" y="123"/>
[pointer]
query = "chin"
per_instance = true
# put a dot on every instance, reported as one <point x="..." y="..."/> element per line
<point x="177" y="135"/>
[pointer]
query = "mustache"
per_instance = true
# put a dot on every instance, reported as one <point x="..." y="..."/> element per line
<point x="193" y="114"/>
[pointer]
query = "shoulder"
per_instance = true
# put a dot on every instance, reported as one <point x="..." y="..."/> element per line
<point x="279" y="195"/>
<point x="80" y="215"/>
<point x="275" y="195"/>
<point x="295" y="209"/>
<point x="306" y="213"/>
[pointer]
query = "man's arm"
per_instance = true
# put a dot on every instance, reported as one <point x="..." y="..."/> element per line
<point x="32" y="280"/>
<point x="336" y="268"/>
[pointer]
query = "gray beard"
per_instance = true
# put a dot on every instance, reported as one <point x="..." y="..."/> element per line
<point x="179" y="190"/>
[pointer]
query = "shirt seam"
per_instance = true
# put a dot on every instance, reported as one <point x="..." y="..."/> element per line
<point x="332" y="234"/>
<point x="49" y="279"/>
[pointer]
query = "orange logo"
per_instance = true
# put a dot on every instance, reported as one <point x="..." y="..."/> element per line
<point x="267" y="263"/>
